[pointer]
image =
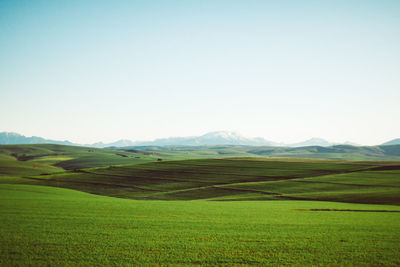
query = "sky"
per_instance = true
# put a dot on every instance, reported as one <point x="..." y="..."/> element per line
<point x="89" y="71"/>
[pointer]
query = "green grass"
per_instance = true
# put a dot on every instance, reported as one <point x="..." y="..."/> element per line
<point x="214" y="211"/>
<point x="51" y="226"/>
<point x="238" y="179"/>
<point x="388" y="178"/>
<point x="72" y="157"/>
<point x="101" y="171"/>
<point x="344" y="152"/>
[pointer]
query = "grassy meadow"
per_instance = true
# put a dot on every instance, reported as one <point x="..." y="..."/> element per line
<point x="66" y="205"/>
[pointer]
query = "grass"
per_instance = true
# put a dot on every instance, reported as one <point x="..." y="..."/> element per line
<point x="66" y="227"/>
<point x="236" y="211"/>
<point x="238" y="179"/>
<point x="344" y="152"/>
<point x="72" y="157"/>
<point x="241" y="178"/>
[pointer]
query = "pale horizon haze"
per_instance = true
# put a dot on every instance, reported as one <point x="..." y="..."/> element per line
<point x="89" y="71"/>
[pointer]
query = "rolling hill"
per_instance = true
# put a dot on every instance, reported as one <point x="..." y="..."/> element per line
<point x="318" y="152"/>
<point x="219" y="206"/>
<point x="392" y="142"/>
<point x="63" y="227"/>
<point x="218" y="173"/>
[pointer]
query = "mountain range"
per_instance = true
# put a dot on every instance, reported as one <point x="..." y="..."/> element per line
<point x="212" y="138"/>
<point x="7" y="138"/>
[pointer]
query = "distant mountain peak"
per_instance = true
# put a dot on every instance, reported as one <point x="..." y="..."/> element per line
<point x="211" y="138"/>
<point x="223" y="134"/>
<point x="314" y="141"/>
<point x="11" y="138"/>
<point x="11" y="134"/>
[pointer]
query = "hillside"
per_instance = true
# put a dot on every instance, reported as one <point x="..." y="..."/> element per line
<point x="140" y="174"/>
<point x="64" y="227"/>
<point x="221" y="207"/>
<point x="392" y="142"/>
<point x="333" y="152"/>
<point x="347" y="152"/>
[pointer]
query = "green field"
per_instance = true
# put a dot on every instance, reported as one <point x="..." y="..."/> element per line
<point x="194" y="208"/>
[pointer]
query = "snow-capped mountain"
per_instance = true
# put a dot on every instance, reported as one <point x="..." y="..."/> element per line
<point x="313" y="142"/>
<point x="212" y="138"/>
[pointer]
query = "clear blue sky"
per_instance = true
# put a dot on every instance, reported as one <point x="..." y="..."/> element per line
<point x="284" y="70"/>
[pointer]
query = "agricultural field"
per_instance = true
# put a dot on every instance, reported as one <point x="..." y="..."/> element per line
<point x="65" y="205"/>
